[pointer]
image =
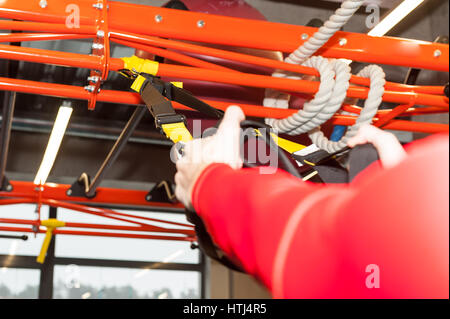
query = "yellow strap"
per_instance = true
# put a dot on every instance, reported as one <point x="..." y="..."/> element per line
<point x="136" y="86"/>
<point x="177" y="132"/>
<point x="178" y="84"/>
<point x="288" y="146"/>
<point x="51" y="224"/>
<point x="140" y="65"/>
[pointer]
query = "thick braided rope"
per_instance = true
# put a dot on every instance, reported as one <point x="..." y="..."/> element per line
<point x="335" y="23"/>
<point x="377" y="82"/>
<point x="334" y="76"/>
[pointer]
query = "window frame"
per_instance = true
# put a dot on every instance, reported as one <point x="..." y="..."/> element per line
<point x="47" y="268"/>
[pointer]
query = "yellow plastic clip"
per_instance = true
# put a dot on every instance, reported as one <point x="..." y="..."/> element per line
<point x="51" y="224"/>
<point x="140" y="65"/>
<point x="288" y="146"/>
<point x="176" y="132"/>
<point x="178" y="84"/>
<point x="136" y="86"/>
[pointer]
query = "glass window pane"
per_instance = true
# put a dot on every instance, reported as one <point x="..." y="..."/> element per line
<point x="32" y="245"/>
<point x="122" y="248"/>
<point x="75" y="282"/>
<point x="19" y="283"/>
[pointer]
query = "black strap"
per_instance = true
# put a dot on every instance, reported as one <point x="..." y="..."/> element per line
<point x="361" y="156"/>
<point x="157" y="95"/>
<point x="154" y="90"/>
<point x="155" y="101"/>
<point x="206" y="243"/>
<point x="185" y="97"/>
<point x="329" y="168"/>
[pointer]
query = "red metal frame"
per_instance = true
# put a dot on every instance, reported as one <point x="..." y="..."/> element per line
<point x="55" y="195"/>
<point x="135" y="26"/>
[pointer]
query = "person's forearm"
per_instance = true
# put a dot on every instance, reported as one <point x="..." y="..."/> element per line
<point x="246" y="212"/>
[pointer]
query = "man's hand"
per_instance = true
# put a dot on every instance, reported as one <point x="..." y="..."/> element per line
<point x="389" y="149"/>
<point x="222" y="147"/>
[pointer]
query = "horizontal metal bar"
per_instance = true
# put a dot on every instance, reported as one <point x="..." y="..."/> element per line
<point x="126" y="264"/>
<point x="75" y="92"/>
<point x="184" y="25"/>
<point x="217" y="76"/>
<point x="36" y="125"/>
<point x="29" y="262"/>
<point x="111" y="196"/>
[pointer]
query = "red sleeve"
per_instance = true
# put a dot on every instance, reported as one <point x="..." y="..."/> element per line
<point x="384" y="236"/>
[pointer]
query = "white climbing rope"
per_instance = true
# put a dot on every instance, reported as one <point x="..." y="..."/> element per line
<point x="334" y="83"/>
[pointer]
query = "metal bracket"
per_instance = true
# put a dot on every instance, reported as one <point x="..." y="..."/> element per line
<point x="100" y="47"/>
<point x="78" y="189"/>
<point x="5" y="185"/>
<point x="162" y="192"/>
<point x="84" y="186"/>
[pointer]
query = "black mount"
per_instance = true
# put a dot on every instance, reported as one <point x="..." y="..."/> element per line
<point x="78" y="189"/>
<point x="5" y="185"/>
<point x="161" y="192"/>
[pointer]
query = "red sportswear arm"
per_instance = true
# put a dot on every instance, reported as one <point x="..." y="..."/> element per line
<point x="383" y="236"/>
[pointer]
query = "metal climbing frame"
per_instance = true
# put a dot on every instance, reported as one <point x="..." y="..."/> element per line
<point x="142" y="26"/>
<point x="164" y="32"/>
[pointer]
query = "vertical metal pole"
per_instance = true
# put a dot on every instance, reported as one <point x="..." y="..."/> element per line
<point x="204" y="293"/>
<point x="117" y="148"/>
<point x="9" y="102"/>
<point x="5" y="133"/>
<point x="46" y="281"/>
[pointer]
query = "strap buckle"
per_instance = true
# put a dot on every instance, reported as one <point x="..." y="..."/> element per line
<point x="169" y="119"/>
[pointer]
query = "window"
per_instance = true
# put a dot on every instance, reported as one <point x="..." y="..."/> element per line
<point x="97" y="267"/>
<point x="78" y="282"/>
<point x="123" y="248"/>
<point x="19" y="283"/>
<point x="32" y="245"/>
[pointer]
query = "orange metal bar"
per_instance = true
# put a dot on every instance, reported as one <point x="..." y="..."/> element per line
<point x="384" y="119"/>
<point x="255" y="60"/>
<point x="101" y="234"/>
<point x="175" y="56"/>
<point x="186" y="72"/>
<point x="14" y="37"/>
<point x="408" y="112"/>
<point x="183" y="25"/>
<point x="20" y="25"/>
<point x="108" y="212"/>
<point x="148" y="228"/>
<point x="50" y="57"/>
<point x="290" y="85"/>
<point x="69" y="91"/>
<point x="14" y="201"/>
<point x="45" y="27"/>
<point x="112" y="196"/>
<point x="130" y="228"/>
<point x="87" y="210"/>
<point x="122" y="235"/>
<point x="19" y="221"/>
<point x="399" y="125"/>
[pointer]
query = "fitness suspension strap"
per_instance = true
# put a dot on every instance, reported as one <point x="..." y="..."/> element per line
<point x="157" y="96"/>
